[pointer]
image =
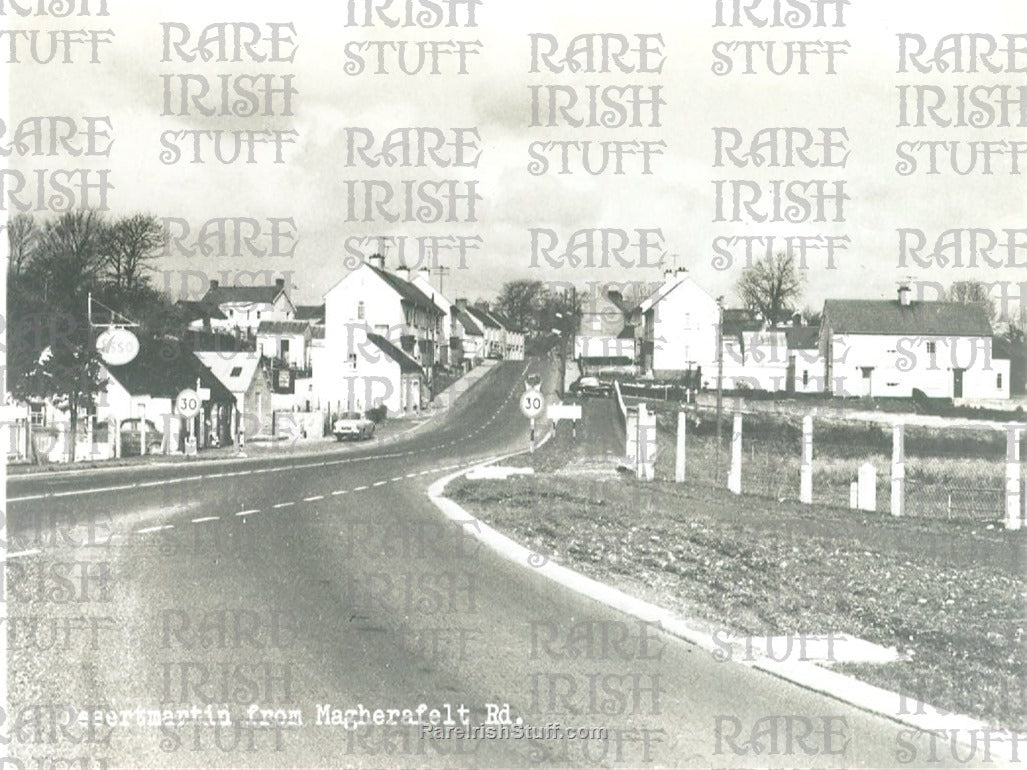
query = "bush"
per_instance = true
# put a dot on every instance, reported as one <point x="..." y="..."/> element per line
<point x="377" y="414"/>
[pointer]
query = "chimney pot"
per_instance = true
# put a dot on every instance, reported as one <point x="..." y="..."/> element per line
<point x="279" y="283"/>
<point x="377" y="260"/>
<point x="904" y="295"/>
<point x="213" y="283"/>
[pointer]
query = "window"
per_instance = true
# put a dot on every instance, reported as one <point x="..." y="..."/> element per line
<point x="353" y="360"/>
<point x="258" y="315"/>
<point x="998" y="380"/>
<point x="805" y="377"/>
<point x="236" y="371"/>
<point x="932" y="347"/>
<point x="597" y="323"/>
<point x="360" y="311"/>
<point x="37" y="414"/>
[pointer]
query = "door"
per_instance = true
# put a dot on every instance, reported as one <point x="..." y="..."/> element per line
<point x="957" y="383"/>
<point x="868" y="374"/>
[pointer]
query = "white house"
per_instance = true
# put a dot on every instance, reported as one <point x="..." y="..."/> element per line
<point x="756" y="360"/>
<point x="242" y="374"/>
<point x="244" y="307"/>
<point x="495" y="339"/>
<point x="679" y="329"/>
<point x="513" y="338"/>
<point x="881" y="348"/>
<point x="468" y="341"/>
<point x="605" y="336"/>
<point x="287" y="341"/>
<point x="807" y="369"/>
<point x="443" y="348"/>
<point x="379" y="327"/>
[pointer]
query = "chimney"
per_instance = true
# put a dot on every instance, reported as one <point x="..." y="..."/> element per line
<point x="904" y="294"/>
<point x="280" y="284"/>
<point x="403" y="272"/>
<point x="681" y="271"/>
<point x="668" y="275"/>
<point x="377" y="260"/>
<point x="213" y="283"/>
<point x="462" y="303"/>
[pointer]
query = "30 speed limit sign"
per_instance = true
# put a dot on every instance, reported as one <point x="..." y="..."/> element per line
<point x="532" y="403"/>
<point x="188" y="403"/>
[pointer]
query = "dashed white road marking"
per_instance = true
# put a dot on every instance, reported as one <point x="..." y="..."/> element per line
<point x="411" y="475"/>
<point x="282" y="505"/>
<point x="205" y="518"/>
<point x="247" y="513"/>
<point x="396" y="478"/>
<point x="379" y="484"/>
<point x="360" y="489"/>
<point x="29" y="552"/>
<point x="312" y="499"/>
<point x="338" y="492"/>
<point x="147" y="530"/>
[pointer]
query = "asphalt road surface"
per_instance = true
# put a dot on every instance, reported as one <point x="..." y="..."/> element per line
<point x="266" y="596"/>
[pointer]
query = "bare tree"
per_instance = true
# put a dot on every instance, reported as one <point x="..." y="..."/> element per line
<point x="70" y="253"/>
<point x="769" y="288"/>
<point x="973" y="293"/>
<point x="22" y="235"/>
<point x="131" y="245"/>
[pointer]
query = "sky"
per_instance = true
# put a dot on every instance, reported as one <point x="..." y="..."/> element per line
<point x="677" y="198"/>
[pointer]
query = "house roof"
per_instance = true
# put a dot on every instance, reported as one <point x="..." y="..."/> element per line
<point x="737" y="320"/>
<point x="248" y="294"/>
<point x="163" y="368"/>
<point x="201" y="309"/>
<point x="234" y="370"/>
<point x="483" y="317"/>
<point x="407" y="291"/>
<point x="317" y="333"/>
<point x="803" y="337"/>
<point x="397" y="354"/>
<point x="471" y="324"/>
<point x="859" y="316"/>
<point x="310" y="312"/>
<point x="283" y="327"/>
<point x="662" y="291"/>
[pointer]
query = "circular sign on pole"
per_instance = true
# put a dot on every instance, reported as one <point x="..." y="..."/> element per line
<point x="532" y="403"/>
<point x="117" y="346"/>
<point x="187" y="402"/>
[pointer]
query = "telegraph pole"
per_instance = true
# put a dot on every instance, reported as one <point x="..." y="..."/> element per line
<point x="720" y="372"/>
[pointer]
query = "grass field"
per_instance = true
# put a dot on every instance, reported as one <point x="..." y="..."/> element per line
<point x="949" y="594"/>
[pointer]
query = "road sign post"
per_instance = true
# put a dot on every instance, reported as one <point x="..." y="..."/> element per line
<point x="532" y="404"/>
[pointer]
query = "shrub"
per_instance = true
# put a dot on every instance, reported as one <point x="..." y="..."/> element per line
<point x="377" y="413"/>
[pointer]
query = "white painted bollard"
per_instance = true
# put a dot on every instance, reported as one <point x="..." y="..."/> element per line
<point x="734" y="479"/>
<point x="142" y="435"/>
<point x="806" y="470"/>
<point x="854" y="495"/>
<point x="898" y="469"/>
<point x="867" y="492"/>
<point x="679" y="460"/>
<point x="631" y="436"/>
<point x="1013" y="434"/>
<point x="645" y="468"/>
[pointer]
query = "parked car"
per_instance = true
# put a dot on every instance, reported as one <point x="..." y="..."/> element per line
<point x="534" y="380"/>
<point x="353" y="425"/>
<point x="131" y="438"/>
<point x="590" y="386"/>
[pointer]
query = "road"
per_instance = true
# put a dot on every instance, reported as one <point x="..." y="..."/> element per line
<point x="284" y="585"/>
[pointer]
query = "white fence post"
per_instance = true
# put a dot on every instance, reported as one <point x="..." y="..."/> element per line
<point x="646" y="463"/>
<point x="679" y="464"/>
<point x="734" y="479"/>
<point x="854" y="495"/>
<point x="1013" y="477"/>
<point x="867" y="495"/>
<point x="806" y="470"/>
<point x="898" y="469"/>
